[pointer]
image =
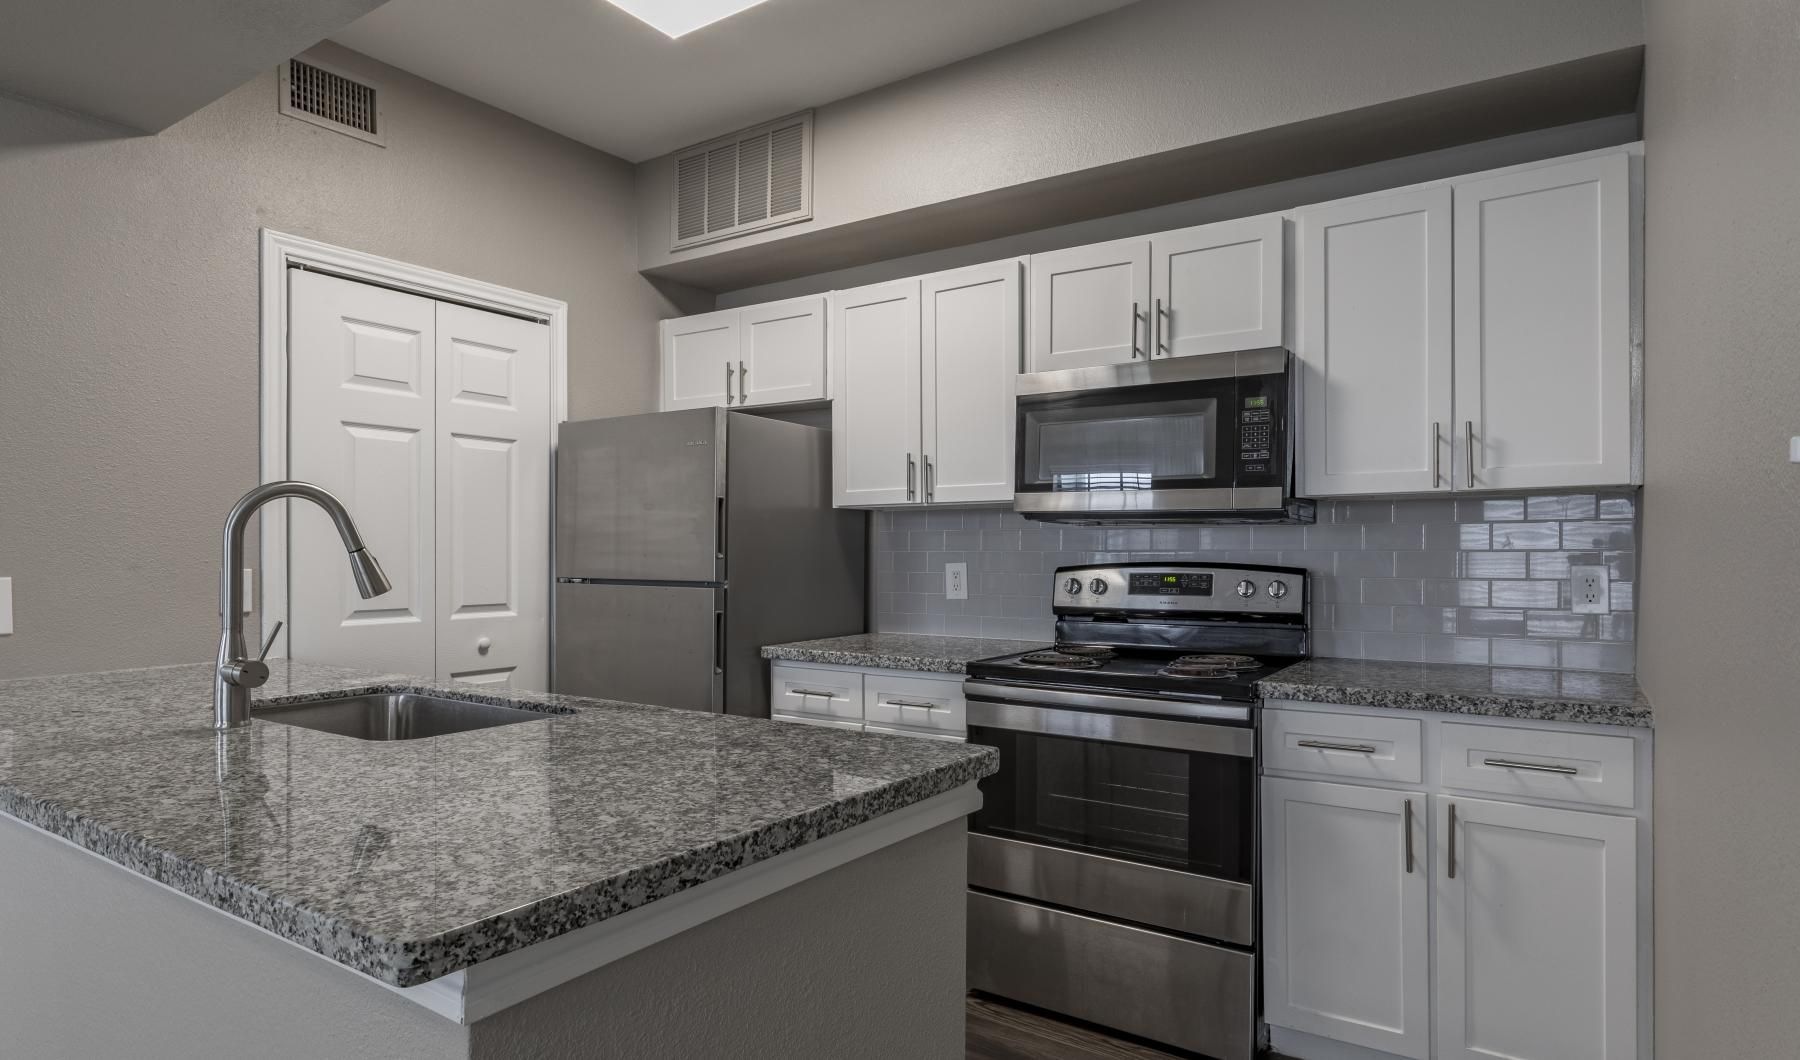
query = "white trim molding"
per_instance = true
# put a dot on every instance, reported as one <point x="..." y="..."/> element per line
<point x="280" y="252"/>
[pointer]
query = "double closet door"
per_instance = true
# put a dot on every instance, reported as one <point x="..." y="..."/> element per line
<point x="431" y="422"/>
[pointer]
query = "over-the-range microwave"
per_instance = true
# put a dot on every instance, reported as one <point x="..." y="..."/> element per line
<point x="1203" y="438"/>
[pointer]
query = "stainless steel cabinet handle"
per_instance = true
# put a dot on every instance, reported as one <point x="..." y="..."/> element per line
<point x="1437" y="469"/>
<point x="743" y="382"/>
<point x="911" y="703"/>
<point x="1469" y="449"/>
<point x="1322" y="745"/>
<point x="1533" y="767"/>
<point x="1135" y="352"/>
<point x="1158" y="347"/>
<point x="909" y="476"/>
<point x="1453" y="840"/>
<point x="728" y="371"/>
<point x="930" y="480"/>
<point x="1407" y="826"/>
<point x="809" y="692"/>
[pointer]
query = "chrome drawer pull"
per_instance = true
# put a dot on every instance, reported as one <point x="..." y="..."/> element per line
<point x="1533" y="767"/>
<point x="1321" y="745"/>
<point x="1452" y="862"/>
<point x="1407" y="825"/>
<point x="912" y="703"/>
<point x="809" y="692"/>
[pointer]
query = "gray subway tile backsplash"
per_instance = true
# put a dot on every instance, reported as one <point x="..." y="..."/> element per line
<point x="1434" y="579"/>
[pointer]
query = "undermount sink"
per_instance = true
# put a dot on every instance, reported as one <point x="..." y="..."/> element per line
<point x="400" y="715"/>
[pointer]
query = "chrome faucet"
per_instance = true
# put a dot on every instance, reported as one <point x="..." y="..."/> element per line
<point x="236" y="674"/>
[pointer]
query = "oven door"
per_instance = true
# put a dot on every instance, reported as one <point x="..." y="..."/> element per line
<point x="1146" y="819"/>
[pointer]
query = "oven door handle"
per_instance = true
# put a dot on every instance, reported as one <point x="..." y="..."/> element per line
<point x="1014" y="714"/>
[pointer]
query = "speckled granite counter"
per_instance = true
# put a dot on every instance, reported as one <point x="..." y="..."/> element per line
<point x="408" y="860"/>
<point x="1540" y="695"/>
<point x="900" y="651"/>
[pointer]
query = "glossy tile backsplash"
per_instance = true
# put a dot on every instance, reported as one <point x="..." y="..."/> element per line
<point x="1476" y="580"/>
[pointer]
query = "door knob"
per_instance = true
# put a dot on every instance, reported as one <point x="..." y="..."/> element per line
<point x="483" y="645"/>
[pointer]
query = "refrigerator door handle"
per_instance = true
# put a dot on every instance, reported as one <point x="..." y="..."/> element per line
<point x="718" y="642"/>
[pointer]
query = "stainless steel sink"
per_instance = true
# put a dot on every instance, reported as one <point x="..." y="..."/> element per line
<point x="400" y="716"/>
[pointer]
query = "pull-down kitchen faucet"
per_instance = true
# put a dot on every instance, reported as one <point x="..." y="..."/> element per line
<point x="236" y="674"/>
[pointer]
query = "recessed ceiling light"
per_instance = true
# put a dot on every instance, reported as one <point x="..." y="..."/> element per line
<point x="680" y="17"/>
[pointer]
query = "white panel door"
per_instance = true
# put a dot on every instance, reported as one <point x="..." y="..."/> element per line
<point x="970" y="360"/>
<point x="362" y="385"/>
<point x="1089" y="306"/>
<point x="1543" y="326"/>
<point x="1536" y="932"/>
<point x="699" y="360"/>
<point x="1374" y="345"/>
<point x="782" y="353"/>
<point x="493" y="499"/>
<point x="1345" y="914"/>
<point x="875" y="410"/>
<point x="1218" y="287"/>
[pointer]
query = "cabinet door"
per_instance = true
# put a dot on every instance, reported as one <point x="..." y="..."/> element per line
<point x="970" y="359"/>
<point x="699" y="360"/>
<point x="1217" y="288"/>
<point x="875" y="409"/>
<point x="1536" y="932"/>
<point x="1345" y="954"/>
<point x="1543" y="326"/>
<point x="1374" y="345"/>
<point x="1089" y="306"/>
<point x="782" y="355"/>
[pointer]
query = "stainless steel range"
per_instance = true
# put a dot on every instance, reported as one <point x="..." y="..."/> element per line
<point x="1112" y="866"/>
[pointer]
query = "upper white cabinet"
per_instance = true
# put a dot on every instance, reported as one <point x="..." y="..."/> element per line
<point x="924" y="373"/>
<point x="1373" y="344"/>
<point x="1469" y="335"/>
<point x="767" y="354"/>
<point x="1208" y="289"/>
<point x="1543" y="326"/>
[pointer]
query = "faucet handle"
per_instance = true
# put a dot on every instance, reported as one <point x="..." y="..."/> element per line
<point x="274" y="632"/>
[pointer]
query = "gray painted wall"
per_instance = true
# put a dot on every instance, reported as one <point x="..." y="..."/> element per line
<point x="128" y="324"/>
<point x="1472" y="580"/>
<point x="1720" y="640"/>
<point x="1157" y="76"/>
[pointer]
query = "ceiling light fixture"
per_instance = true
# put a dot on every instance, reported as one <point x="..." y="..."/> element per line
<point x="677" y="18"/>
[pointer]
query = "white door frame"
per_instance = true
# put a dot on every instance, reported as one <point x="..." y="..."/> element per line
<point x="279" y="251"/>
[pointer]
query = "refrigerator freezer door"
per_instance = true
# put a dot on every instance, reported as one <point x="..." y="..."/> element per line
<point x="641" y="498"/>
<point x="661" y="644"/>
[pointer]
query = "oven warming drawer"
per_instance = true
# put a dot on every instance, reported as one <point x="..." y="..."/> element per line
<point x="1188" y="994"/>
<point x="1146" y="894"/>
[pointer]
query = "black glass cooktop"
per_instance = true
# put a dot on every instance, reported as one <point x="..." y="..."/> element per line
<point x="1166" y="672"/>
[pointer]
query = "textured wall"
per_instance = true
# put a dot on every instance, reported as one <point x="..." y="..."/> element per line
<point x="1721" y="632"/>
<point x="128" y="324"/>
<point x="1479" y="580"/>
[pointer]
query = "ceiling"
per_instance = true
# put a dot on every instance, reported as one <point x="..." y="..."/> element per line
<point x="594" y="73"/>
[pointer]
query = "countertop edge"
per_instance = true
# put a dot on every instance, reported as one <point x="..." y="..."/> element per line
<point x="868" y="659"/>
<point x="1572" y="710"/>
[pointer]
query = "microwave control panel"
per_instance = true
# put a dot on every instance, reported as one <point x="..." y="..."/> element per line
<point x="1261" y="430"/>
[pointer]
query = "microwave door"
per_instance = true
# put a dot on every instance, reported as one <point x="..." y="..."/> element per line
<point x="1129" y="441"/>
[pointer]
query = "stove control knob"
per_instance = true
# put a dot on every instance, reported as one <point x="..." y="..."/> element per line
<point x="1097" y="587"/>
<point x="1246" y="588"/>
<point x="1278" y="588"/>
<point x="1072" y="586"/>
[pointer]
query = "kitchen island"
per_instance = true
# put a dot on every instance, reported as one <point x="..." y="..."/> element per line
<point x="613" y="879"/>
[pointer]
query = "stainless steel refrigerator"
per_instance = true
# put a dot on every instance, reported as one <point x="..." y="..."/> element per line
<point x="685" y="541"/>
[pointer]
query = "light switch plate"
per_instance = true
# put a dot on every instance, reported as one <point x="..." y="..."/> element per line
<point x="1590" y="591"/>
<point x="956" y="581"/>
<point x="5" y="606"/>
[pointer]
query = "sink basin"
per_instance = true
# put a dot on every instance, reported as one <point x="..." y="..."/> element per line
<point x="399" y="716"/>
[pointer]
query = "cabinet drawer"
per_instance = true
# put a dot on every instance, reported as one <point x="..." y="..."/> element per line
<point x="1342" y="745"/>
<point x="1539" y="763"/>
<point x="812" y="692"/>
<point x="933" y="705"/>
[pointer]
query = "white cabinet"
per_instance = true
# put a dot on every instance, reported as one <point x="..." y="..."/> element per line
<point x="896" y="702"/>
<point x="1373" y="344"/>
<point x="1208" y="289"/>
<point x="924" y="372"/>
<point x="768" y="354"/>
<point x="1537" y="932"/>
<point x="1474" y="334"/>
<point x="1543" y="326"/>
<point x="1345" y="951"/>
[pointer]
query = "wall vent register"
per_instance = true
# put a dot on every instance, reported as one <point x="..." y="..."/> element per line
<point x="333" y="100"/>
<point x="755" y="179"/>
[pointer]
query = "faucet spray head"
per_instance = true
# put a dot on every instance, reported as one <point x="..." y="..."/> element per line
<point x="370" y="581"/>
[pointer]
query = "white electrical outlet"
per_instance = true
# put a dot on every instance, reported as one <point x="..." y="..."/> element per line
<point x="1589" y="590"/>
<point x="956" y="581"/>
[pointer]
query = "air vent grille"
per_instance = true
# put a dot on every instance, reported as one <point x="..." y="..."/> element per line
<point x="755" y="179"/>
<point x="326" y="97"/>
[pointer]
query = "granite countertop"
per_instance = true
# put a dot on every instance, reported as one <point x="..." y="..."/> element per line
<point x="409" y="860"/>
<point x="1493" y="691"/>
<point x="900" y="651"/>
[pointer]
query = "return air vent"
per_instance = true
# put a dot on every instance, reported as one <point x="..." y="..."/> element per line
<point x="750" y="180"/>
<point x="325" y="97"/>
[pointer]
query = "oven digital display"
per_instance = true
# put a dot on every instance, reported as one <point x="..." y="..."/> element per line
<point x="1178" y="584"/>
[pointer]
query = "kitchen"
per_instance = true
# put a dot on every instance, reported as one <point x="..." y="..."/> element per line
<point x="1459" y="333"/>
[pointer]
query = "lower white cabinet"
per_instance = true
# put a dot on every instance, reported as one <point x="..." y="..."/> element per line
<point x="900" y="702"/>
<point x="1416" y="921"/>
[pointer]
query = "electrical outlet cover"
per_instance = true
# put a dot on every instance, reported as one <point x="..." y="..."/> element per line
<point x="1589" y="590"/>
<point x="956" y="581"/>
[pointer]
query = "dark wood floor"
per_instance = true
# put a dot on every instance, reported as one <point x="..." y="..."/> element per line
<point x="1001" y="1032"/>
